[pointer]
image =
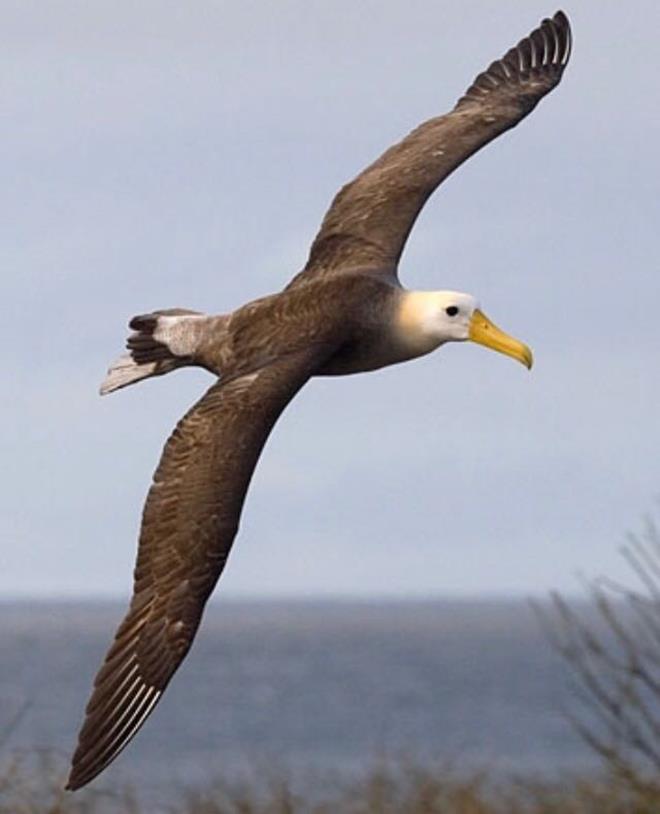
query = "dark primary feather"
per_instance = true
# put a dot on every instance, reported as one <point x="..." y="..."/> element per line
<point x="370" y="218"/>
<point x="189" y="522"/>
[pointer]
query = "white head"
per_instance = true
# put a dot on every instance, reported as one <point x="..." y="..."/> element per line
<point x="428" y="319"/>
<point x="444" y="315"/>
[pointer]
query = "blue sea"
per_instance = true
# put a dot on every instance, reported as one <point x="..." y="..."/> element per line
<point x="304" y="688"/>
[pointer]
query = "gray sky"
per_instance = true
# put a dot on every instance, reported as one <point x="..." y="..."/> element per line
<point x="161" y="153"/>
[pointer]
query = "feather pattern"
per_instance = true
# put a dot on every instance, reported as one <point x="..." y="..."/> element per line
<point x="189" y="522"/>
<point x="369" y="220"/>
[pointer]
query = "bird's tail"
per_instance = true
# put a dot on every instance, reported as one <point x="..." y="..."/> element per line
<point x="161" y="341"/>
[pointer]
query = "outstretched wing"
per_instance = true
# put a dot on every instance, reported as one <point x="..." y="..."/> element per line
<point x="189" y="522"/>
<point x="369" y="220"/>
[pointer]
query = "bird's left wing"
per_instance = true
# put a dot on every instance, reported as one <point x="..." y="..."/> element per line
<point x="369" y="220"/>
<point x="189" y="522"/>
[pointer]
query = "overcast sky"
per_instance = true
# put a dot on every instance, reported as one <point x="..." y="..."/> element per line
<point x="160" y="154"/>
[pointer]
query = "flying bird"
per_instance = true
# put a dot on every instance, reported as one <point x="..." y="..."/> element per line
<point x="345" y="312"/>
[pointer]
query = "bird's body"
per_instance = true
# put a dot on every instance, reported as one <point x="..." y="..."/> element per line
<point x="362" y="332"/>
<point x="345" y="313"/>
<point x="369" y="331"/>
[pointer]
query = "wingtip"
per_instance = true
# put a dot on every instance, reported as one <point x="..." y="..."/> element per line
<point x="545" y="51"/>
<point x="569" y="35"/>
<point x="74" y="781"/>
<point x="71" y="783"/>
<point x="561" y="19"/>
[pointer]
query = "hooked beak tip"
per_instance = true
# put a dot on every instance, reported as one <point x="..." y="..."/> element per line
<point x="484" y="332"/>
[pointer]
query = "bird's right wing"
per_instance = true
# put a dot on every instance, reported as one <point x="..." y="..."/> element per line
<point x="189" y="522"/>
<point x="369" y="220"/>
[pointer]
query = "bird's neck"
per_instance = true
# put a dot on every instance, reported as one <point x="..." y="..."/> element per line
<point x="414" y="321"/>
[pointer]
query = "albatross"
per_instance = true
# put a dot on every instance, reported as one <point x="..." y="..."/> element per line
<point x="345" y="312"/>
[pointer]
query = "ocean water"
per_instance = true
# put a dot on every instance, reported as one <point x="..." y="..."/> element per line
<point x="305" y="688"/>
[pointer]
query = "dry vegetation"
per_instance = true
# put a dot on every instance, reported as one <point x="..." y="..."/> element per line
<point x="614" y="654"/>
<point x="398" y="790"/>
<point x="393" y="789"/>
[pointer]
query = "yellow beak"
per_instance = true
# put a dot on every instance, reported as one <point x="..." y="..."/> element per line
<point x="485" y="333"/>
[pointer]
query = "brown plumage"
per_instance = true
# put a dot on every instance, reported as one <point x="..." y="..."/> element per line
<point x="343" y="313"/>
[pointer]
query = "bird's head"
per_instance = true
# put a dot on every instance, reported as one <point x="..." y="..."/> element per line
<point x="435" y="317"/>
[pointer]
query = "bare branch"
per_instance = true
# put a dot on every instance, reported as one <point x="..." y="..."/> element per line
<point x="613" y="648"/>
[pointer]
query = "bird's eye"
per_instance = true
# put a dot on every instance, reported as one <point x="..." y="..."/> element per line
<point x="451" y="311"/>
